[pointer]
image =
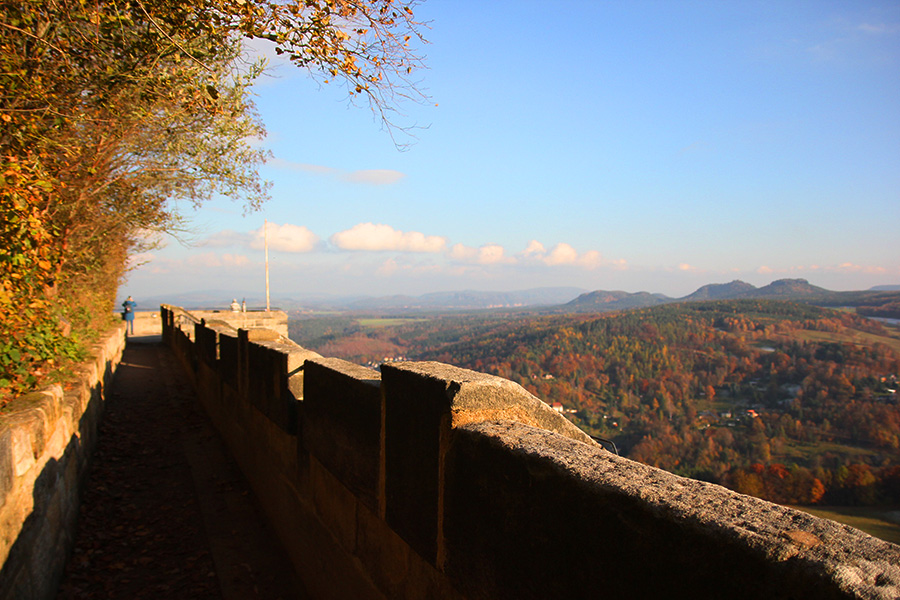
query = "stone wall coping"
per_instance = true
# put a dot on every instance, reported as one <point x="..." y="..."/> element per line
<point x="857" y="563"/>
<point x="349" y="369"/>
<point x="221" y="327"/>
<point x="296" y="354"/>
<point x="473" y="396"/>
<point x="31" y="419"/>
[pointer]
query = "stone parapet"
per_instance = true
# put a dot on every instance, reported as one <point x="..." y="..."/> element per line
<point x="427" y="480"/>
<point x="342" y="423"/>
<point x="273" y="320"/>
<point x="46" y="440"/>
<point x="423" y="403"/>
<point x="530" y="514"/>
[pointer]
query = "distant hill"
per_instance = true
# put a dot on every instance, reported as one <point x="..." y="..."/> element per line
<point x="795" y="290"/>
<point x="601" y="301"/>
<point x="722" y="291"/>
<point x="545" y="299"/>
<point x="788" y="289"/>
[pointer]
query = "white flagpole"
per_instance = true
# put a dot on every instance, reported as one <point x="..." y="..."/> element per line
<point x="266" y="228"/>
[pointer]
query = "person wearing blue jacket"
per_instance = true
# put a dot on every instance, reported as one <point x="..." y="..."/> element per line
<point x="128" y="314"/>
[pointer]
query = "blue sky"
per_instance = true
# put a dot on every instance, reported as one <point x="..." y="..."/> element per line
<point x="653" y="146"/>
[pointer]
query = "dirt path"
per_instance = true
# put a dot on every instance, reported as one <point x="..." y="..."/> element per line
<point x="165" y="512"/>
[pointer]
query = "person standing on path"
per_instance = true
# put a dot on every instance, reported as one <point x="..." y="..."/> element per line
<point x="128" y="314"/>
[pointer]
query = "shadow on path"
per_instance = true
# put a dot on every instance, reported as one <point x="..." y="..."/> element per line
<point x="165" y="512"/>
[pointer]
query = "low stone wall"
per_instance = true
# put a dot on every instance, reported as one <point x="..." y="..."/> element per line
<point x="426" y="480"/>
<point x="46" y="440"/>
<point x="276" y="320"/>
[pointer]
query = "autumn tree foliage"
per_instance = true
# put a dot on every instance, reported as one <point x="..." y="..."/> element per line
<point x="708" y="389"/>
<point x="114" y="114"/>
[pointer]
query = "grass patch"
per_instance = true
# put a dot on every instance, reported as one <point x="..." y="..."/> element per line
<point x="847" y="336"/>
<point x="388" y="322"/>
<point x="803" y="453"/>
<point x="881" y="522"/>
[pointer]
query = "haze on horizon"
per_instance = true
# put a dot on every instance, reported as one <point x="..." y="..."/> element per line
<point x="638" y="146"/>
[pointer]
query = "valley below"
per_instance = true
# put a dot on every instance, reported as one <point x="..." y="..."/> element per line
<point x="787" y="401"/>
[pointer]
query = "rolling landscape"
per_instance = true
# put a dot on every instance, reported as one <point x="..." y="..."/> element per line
<point x="545" y="299"/>
<point x="758" y="389"/>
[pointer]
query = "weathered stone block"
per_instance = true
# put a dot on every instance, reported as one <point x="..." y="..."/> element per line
<point x="394" y="567"/>
<point x="208" y="344"/>
<point x="335" y="505"/>
<point x="384" y="553"/>
<point x="7" y="466"/>
<point x="23" y="450"/>
<point x="297" y="356"/>
<point x="228" y="358"/>
<point x="342" y="422"/>
<point x="530" y="514"/>
<point x="258" y="334"/>
<point x="33" y="417"/>
<point x="267" y="367"/>
<point x="423" y="401"/>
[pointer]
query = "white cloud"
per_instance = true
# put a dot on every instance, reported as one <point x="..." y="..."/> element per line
<point x="365" y="176"/>
<point x="853" y="268"/>
<point x="234" y="260"/>
<point x="591" y="259"/>
<point x="284" y="238"/>
<point x="878" y="28"/>
<point x="388" y="267"/>
<point x="535" y="248"/>
<point x="488" y="254"/>
<point x="562" y="254"/>
<point x="398" y="267"/>
<point x="280" y="163"/>
<point x="764" y="270"/>
<point x="379" y="237"/>
<point x="211" y="260"/>
<point x="462" y="253"/>
<point x="374" y="176"/>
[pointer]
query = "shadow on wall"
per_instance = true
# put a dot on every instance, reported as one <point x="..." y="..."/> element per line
<point x="37" y="559"/>
<point x="46" y="441"/>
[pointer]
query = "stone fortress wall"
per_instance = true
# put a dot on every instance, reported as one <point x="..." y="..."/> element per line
<point x="430" y="481"/>
<point x="425" y="481"/>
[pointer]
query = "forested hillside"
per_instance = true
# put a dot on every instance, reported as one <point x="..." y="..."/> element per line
<point x="789" y="402"/>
